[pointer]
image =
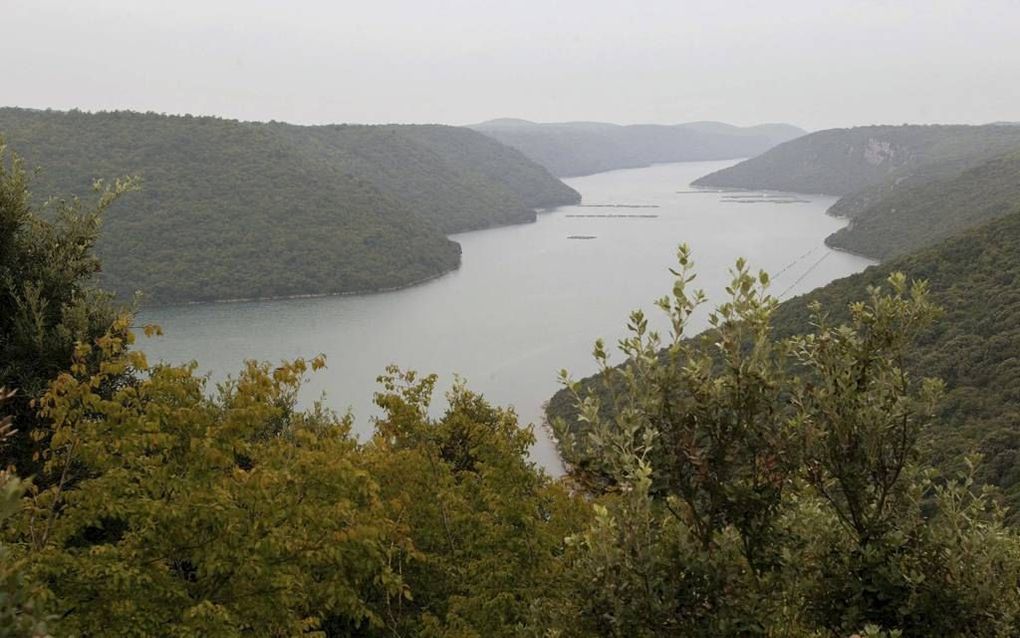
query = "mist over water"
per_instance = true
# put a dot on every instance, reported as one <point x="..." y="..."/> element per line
<point x="527" y="301"/>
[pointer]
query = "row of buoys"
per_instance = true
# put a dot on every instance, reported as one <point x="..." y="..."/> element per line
<point x="788" y="200"/>
<point x="758" y="196"/>
<point x="616" y="216"/>
<point x="618" y="206"/>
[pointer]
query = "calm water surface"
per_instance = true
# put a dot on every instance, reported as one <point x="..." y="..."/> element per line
<point x="527" y="301"/>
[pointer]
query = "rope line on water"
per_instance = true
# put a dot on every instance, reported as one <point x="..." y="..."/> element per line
<point x="806" y="273"/>
<point x="794" y="262"/>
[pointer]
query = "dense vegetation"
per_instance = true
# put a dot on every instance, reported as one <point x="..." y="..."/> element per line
<point x="454" y="178"/>
<point x="903" y="187"/>
<point x="153" y="506"/>
<point x="581" y="148"/>
<point x="974" y="348"/>
<point x="745" y="484"/>
<point x="921" y="211"/>
<point x="235" y="210"/>
<point x="844" y="161"/>
<point x="47" y="305"/>
<point x="776" y="486"/>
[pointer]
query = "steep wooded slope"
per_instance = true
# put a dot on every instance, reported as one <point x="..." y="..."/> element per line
<point x="844" y="161"/>
<point x="902" y="187"/>
<point x="920" y="212"/>
<point x="237" y="210"/>
<point x="454" y="177"/>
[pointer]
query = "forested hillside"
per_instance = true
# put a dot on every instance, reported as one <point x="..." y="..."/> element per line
<point x="974" y="347"/>
<point x="455" y="178"/>
<point x="232" y="209"/>
<point x="843" y="161"/>
<point x="921" y="211"/>
<point x="719" y="501"/>
<point x="903" y="187"/>
<point x="581" y="148"/>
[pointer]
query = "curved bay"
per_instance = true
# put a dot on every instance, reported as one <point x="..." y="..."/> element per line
<point x="527" y="301"/>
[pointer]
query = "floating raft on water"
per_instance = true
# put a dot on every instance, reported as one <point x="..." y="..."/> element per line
<point x="699" y="191"/>
<point x="759" y="196"/>
<point x="763" y="198"/>
<point x="615" y="216"/>
<point x="769" y="200"/>
<point x="618" y="206"/>
<point x="737" y="196"/>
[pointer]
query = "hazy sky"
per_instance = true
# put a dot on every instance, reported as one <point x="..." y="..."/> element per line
<point x="816" y="63"/>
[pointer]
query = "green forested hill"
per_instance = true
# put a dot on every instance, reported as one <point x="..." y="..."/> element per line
<point x="920" y="211"/>
<point x="236" y="210"/>
<point x="844" y="161"/>
<point x="158" y="504"/>
<point x="903" y="187"/>
<point x="455" y="178"/>
<point x="974" y="348"/>
<point x="581" y="148"/>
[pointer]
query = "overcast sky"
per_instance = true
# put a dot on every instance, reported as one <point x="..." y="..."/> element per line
<point x="816" y="63"/>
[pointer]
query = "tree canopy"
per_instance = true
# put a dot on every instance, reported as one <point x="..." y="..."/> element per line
<point x="763" y="478"/>
<point x="232" y="209"/>
<point x="763" y="486"/>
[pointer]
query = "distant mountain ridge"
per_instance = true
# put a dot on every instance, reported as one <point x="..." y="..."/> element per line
<point x="902" y="187"/>
<point x="234" y="209"/>
<point x="570" y="149"/>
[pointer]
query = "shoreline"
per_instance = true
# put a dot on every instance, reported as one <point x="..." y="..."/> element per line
<point x="564" y="466"/>
<point x="369" y="291"/>
<point x="547" y="450"/>
<point x="851" y="252"/>
<point x="310" y="295"/>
